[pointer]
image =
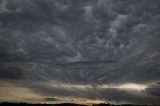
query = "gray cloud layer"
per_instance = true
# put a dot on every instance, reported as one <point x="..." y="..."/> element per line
<point x="81" y="42"/>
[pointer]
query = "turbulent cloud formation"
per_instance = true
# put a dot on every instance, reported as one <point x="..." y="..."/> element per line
<point x="89" y="49"/>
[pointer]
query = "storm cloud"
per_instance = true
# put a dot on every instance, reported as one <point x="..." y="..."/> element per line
<point x="81" y="43"/>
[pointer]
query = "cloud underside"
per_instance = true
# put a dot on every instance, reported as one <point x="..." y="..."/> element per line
<point x="57" y="92"/>
<point x="90" y="49"/>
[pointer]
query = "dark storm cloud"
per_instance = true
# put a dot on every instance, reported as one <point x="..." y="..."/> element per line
<point x="11" y="73"/>
<point x="80" y="42"/>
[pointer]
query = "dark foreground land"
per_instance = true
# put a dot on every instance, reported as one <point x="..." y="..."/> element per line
<point x="65" y="104"/>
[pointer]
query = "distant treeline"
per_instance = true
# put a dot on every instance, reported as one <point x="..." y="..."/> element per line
<point x="63" y="104"/>
<point x="108" y="104"/>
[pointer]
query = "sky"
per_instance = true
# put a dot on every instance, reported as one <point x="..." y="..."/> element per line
<point x="80" y="51"/>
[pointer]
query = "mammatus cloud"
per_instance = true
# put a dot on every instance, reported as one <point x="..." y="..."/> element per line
<point x="103" y="50"/>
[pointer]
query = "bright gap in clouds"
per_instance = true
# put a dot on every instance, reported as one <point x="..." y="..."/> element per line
<point x="130" y="86"/>
<point x="125" y="86"/>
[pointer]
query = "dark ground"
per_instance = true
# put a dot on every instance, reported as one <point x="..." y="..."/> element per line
<point x="64" y="104"/>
